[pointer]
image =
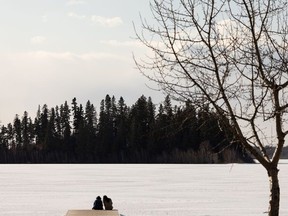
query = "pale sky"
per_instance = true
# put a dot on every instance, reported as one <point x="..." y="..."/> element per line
<point x="54" y="50"/>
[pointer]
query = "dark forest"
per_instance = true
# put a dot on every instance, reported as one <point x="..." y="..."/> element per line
<point x="72" y="133"/>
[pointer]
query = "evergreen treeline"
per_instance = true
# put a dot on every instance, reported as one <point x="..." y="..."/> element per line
<point x="72" y="133"/>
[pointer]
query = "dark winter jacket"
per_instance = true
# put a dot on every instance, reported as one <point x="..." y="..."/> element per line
<point x="107" y="203"/>
<point x="98" y="205"/>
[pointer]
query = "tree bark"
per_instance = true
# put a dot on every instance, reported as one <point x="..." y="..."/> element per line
<point x="274" y="202"/>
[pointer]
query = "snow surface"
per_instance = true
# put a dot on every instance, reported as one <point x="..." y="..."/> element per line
<point x="139" y="189"/>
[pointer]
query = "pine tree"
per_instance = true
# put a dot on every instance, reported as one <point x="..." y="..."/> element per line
<point x="160" y="136"/>
<point x="139" y="124"/>
<point x="65" y="126"/>
<point x="121" y="126"/>
<point x="90" y="117"/>
<point x="50" y="137"/>
<point x="74" y="114"/>
<point x="10" y="137"/>
<point x="18" y="132"/>
<point x="150" y="114"/>
<point x="4" y="142"/>
<point x="190" y="125"/>
<point x="43" y="126"/>
<point x="90" y="128"/>
<point x="59" y="131"/>
<point x="25" y="131"/>
<point x="168" y="107"/>
<point x="37" y="127"/>
<point x="106" y="126"/>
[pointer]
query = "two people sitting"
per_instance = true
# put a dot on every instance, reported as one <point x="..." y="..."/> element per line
<point x="98" y="204"/>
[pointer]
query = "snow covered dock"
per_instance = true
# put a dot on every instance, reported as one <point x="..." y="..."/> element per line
<point x="92" y="213"/>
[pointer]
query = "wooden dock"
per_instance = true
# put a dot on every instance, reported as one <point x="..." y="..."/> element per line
<point x="92" y="213"/>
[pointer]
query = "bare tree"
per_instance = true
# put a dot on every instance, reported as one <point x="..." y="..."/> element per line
<point x="232" y="55"/>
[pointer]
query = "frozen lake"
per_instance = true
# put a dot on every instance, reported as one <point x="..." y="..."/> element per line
<point x="139" y="190"/>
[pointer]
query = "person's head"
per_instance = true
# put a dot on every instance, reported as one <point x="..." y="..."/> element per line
<point x="105" y="197"/>
<point x="98" y="198"/>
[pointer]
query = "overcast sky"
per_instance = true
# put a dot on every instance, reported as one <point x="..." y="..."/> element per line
<point x="54" y="50"/>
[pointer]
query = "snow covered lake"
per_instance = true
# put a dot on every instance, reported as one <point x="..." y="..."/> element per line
<point x="139" y="189"/>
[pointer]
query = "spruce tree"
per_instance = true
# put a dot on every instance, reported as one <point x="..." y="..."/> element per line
<point x="65" y="126"/>
<point x="4" y="141"/>
<point x="121" y="127"/>
<point x="50" y="137"/>
<point x="18" y="132"/>
<point x="139" y="124"/>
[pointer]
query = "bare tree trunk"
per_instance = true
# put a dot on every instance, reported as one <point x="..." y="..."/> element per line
<point x="274" y="192"/>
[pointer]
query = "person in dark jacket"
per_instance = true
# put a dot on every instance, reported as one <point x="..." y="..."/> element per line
<point x="107" y="203"/>
<point x="98" y="205"/>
